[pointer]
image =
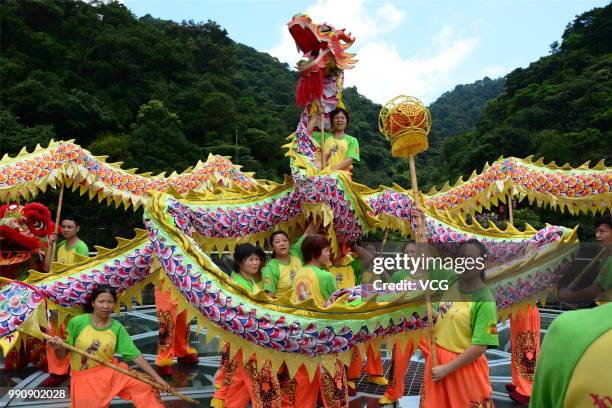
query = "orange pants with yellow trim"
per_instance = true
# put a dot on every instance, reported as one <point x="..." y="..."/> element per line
<point x="97" y="386"/>
<point x="373" y="364"/>
<point x="266" y="389"/>
<point x="56" y="365"/>
<point x="173" y="330"/>
<point x="331" y="388"/>
<point x="399" y="365"/>
<point x="525" y="332"/>
<point x="243" y="383"/>
<point x="468" y="386"/>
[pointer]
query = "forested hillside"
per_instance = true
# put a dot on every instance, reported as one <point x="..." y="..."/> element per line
<point x="160" y="95"/>
<point x="560" y="107"/>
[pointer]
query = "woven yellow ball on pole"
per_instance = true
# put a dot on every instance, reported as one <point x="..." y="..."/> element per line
<point x="406" y="123"/>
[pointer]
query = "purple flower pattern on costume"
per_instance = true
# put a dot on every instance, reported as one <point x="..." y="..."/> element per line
<point x="446" y="237"/>
<point x="121" y="273"/>
<point x="17" y="302"/>
<point x="240" y="221"/>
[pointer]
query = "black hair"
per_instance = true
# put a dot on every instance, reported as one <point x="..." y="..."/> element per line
<point x="604" y="219"/>
<point x="72" y="217"/>
<point x="95" y="293"/>
<point x="242" y="252"/>
<point x="275" y="233"/>
<point x="336" y="111"/>
<point x="476" y="243"/>
<point x="483" y="251"/>
<point x="260" y="253"/>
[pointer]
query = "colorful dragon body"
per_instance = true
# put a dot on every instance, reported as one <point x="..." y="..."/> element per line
<point x="215" y="206"/>
<point x="22" y="176"/>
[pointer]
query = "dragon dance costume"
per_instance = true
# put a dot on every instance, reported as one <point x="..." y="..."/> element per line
<point x="215" y="205"/>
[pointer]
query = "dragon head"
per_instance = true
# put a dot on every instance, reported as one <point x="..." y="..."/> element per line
<point x="322" y="45"/>
<point x="324" y="54"/>
<point x="24" y="231"/>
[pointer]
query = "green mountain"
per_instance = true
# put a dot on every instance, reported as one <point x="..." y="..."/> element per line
<point x="122" y="86"/>
<point x="453" y="113"/>
<point x="558" y="108"/>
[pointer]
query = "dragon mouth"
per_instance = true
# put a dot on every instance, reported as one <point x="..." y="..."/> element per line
<point x="12" y="253"/>
<point x="321" y="45"/>
<point x="308" y="40"/>
<point x="16" y="247"/>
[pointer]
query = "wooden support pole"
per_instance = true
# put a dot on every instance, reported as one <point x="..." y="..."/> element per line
<point x="510" y="209"/>
<point x="58" y="214"/>
<point x="322" y="125"/>
<point x="420" y="235"/>
<point x="586" y="269"/>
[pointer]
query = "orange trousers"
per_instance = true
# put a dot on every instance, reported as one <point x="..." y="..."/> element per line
<point x="399" y="365"/>
<point x="331" y="388"/>
<point x="468" y="386"/>
<point x="173" y="330"/>
<point x="56" y="365"/>
<point x="525" y="332"/>
<point x="97" y="386"/>
<point x="241" y="384"/>
<point x="373" y="364"/>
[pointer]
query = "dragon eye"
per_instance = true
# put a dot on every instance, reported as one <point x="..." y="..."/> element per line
<point x="38" y="224"/>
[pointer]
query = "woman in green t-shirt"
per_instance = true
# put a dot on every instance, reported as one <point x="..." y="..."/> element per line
<point x="93" y="384"/>
<point x="312" y="281"/>
<point x="279" y="273"/>
<point x="238" y="384"/>
<point x="340" y="149"/>
<point x="247" y="267"/>
<point x="463" y="334"/>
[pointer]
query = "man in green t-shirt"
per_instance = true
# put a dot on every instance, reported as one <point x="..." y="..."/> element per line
<point x="601" y="288"/>
<point x="66" y="251"/>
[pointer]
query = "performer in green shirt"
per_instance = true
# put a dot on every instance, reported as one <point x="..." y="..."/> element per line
<point x="601" y="288"/>
<point x="340" y="149"/>
<point x="247" y="271"/>
<point x="93" y="384"/>
<point x="66" y="250"/>
<point x="312" y="281"/>
<point x="574" y="366"/>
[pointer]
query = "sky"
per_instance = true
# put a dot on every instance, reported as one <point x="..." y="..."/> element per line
<point x="420" y="48"/>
